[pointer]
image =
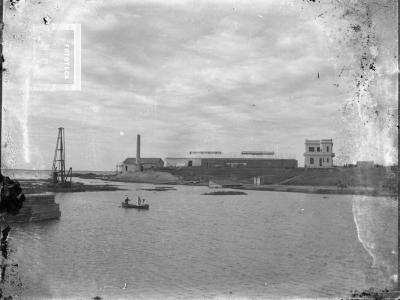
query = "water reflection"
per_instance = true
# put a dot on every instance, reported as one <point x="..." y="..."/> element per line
<point x="190" y="245"/>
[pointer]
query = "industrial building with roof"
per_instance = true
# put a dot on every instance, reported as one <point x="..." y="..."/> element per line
<point x="209" y="159"/>
<point x="130" y="164"/>
<point x="133" y="164"/>
<point x="214" y="159"/>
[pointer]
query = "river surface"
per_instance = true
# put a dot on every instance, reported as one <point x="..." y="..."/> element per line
<point x="188" y="245"/>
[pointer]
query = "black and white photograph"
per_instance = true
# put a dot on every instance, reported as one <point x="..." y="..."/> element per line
<point x="210" y="149"/>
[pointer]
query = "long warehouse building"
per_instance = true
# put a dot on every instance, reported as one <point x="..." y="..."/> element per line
<point x="215" y="159"/>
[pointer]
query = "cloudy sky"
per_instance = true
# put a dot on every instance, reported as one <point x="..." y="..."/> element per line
<point x="194" y="75"/>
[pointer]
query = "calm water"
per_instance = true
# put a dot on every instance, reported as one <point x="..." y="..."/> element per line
<point x="263" y="245"/>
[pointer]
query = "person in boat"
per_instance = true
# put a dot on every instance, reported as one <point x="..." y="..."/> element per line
<point x="143" y="201"/>
<point x="138" y="200"/>
<point x="126" y="200"/>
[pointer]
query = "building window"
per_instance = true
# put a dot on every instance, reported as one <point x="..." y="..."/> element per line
<point x="327" y="160"/>
<point x="318" y="149"/>
<point x="126" y="168"/>
<point x="320" y="162"/>
<point x="310" y="149"/>
<point x="190" y="163"/>
<point x="327" y="149"/>
<point x="311" y="161"/>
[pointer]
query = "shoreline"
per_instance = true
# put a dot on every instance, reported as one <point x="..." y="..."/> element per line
<point x="324" y="190"/>
<point x="306" y="189"/>
<point x="375" y="182"/>
<point x="35" y="186"/>
<point x="38" y="186"/>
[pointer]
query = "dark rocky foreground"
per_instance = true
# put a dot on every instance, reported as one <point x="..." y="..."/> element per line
<point x="40" y="198"/>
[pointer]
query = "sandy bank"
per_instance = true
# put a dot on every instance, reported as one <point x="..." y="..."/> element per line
<point x="155" y="177"/>
<point x="367" y="191"/>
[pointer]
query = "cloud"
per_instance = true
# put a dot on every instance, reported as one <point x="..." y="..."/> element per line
<point x="233" y="74"/>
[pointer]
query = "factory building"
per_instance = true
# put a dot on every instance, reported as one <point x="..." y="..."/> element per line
<point x="130" y="164"/>
<point x="215" y="159"/>
<point x="193" y="159"/>
<point x="248" y="162"/>
<point x="318" y="154"/>
<point x="133" y="164"/>
<point x="182" y="162"/>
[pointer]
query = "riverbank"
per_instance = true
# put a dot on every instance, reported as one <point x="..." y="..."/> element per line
<point x="333" y="190"/>
<point x="373" y="182"/>
<point x="148" y="176"/>
<point x="38" y="186"/>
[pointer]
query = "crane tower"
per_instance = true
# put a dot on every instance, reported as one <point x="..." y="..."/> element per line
<point x="58" y="170"/>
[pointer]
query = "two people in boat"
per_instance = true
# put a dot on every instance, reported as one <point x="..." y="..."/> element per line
<point x="140" y="201"/>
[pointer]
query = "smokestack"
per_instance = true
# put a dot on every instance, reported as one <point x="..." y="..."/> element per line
<point x="138" y="150"/>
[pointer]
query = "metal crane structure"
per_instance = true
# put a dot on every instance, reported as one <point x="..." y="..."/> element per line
<point x="58" y="170"/>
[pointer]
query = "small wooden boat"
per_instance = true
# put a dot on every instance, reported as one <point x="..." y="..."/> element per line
<point x="127" y="205"/>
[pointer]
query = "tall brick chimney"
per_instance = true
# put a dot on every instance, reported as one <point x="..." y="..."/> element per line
<point x="138" y="150"/>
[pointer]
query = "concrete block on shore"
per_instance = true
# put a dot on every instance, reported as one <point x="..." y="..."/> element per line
<point x="37" y="207"/>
